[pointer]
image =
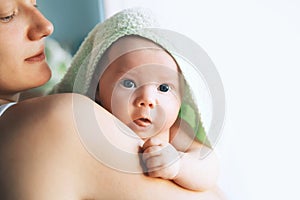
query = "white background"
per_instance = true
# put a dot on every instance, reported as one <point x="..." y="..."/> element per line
<point x="255" y="46"/>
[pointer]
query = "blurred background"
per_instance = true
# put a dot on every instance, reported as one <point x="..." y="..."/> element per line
<point x="72" y="19"/>
<point x="255" y="45"/>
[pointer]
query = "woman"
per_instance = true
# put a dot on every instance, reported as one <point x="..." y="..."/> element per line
<point x="41" y="154"/>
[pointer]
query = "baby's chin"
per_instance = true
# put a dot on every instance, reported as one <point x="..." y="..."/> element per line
<point x="144" y="132"/>
<point x="149" y="131"/>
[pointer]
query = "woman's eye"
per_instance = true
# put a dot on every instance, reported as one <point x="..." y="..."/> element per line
<point x="164" y="87"/>
<point x="7" y="18"/>
<point x="128" y="83"/>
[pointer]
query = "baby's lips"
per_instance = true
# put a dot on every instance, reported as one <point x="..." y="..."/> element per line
<point x="144" y="122"/>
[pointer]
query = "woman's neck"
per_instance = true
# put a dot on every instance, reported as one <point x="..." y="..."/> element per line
<point x="8" y="98"/>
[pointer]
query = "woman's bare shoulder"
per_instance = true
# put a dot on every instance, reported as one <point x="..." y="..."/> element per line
<point x="45" y="110"/>
<point x="41" y="120"/>
<point x="41" y="154"/>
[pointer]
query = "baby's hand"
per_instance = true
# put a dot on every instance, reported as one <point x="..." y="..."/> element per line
<point x="161" y="159"/>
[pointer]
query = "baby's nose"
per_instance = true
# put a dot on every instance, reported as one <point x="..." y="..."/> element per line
<point x="146" y="103"/>
<point x="146" y="97"/>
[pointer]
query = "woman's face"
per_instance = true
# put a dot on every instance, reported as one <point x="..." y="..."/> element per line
<point x="22" y="58"/>
<point x="142" y="89"/>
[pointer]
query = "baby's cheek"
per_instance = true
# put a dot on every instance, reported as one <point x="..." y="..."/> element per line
<point x="122" y="111"/>
<point x="173" y="111"/>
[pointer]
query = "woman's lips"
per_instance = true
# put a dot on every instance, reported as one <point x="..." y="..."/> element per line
<point x="37" y="58"/>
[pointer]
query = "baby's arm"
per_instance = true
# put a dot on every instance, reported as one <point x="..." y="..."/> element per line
<point x="196" y="172"/>
<point x="180" y="161"/>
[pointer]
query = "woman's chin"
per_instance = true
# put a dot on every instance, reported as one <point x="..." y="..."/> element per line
<point x="43" y="78"/>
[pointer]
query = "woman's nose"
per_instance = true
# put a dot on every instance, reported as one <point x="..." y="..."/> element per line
<point x="146" y="97"/>
<point x="40" y="27"/>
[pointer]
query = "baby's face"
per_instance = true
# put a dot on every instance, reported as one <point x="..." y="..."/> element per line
<point x="142" y="89"/>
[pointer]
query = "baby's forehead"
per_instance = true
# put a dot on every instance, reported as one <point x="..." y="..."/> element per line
<point x="130" y="43"/>
<point x="150" y="69"/>
<point x="137" y="55"/>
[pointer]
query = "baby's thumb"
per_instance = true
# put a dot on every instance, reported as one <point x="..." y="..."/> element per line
<point x="152" y="142"/>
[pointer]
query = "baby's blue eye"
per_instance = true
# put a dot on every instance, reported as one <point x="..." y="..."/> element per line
<point x="164" y="87"/>
<point x="128" y="83"/>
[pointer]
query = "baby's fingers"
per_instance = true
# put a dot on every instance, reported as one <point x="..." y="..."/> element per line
<point x="153" y="163"/>
<point x="156" y="168"/>
<point x="152" y="142"/>
<point x="151" y="152"/>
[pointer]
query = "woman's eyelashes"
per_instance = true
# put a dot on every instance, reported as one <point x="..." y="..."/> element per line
<point x="8" y="18"/>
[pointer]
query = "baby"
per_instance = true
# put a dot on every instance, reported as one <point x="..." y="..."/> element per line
<point x="140" y="82"/>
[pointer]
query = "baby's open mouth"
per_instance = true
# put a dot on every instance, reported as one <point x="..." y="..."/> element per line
<point x="144" y="122"/>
